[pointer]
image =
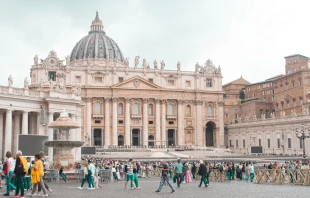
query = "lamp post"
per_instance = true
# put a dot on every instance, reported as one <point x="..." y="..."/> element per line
<point x="302" y="136"/>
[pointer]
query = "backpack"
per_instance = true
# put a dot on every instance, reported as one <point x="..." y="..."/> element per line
<point x="19" y="169"/>
<point x="5" y="167"/>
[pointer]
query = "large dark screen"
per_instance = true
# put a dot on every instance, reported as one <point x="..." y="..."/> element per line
<point x="88" y="150"/>
<point x="32" y="144"/>
<point x="256" y="149"/>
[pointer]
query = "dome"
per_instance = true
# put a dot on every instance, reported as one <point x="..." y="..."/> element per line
<point x="96" y="45"/>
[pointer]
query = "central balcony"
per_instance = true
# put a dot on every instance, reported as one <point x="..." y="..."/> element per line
<point x="171" y="117"/>
<point x="98" y="115"/>
<point x="136" y="116"/>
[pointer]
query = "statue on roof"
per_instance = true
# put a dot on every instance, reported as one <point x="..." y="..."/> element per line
<point x="155" y="64"/>
<point x="67" y="60"/>
<point x="162" y="63"/>
<point x="144" y="64"/>
<point x="126" y="62"/>
<point x="136" y="61"/>
<point x="36" y="59"/>
<point x="197" y="67"/>
<point x="179" y="66"/>
<point x="26" y="83"/>
<point x="52" y="54"/>
<point x="10" y="80"/>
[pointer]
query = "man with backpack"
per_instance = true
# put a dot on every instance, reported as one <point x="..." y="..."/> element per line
<point x="202" y="171"/>
<point x="165" y="177"/>
<point x="19" y="172"/>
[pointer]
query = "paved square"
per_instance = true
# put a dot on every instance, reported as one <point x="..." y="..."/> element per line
<point x="148" y="186"/>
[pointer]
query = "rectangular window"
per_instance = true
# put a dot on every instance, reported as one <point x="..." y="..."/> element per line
<point x="187" y="83"/>
<point x="259" y="142"/>
<point x="268" y="141"/>
<point x="120" y="79"/>
<point x="98" y="79"/>
<point x="97" y="121"/>
<point x="278" y="142"/>
<point x="243" y="143"/>
<point x="236" y="143"/>
<point x="289" y="143"/>
<point x="151" y="122"/>
<point x="120" y="122"/>
<point x="151" y="80"/>
<point x="52" y="75"/>
<point x="171" y="122"/>
<point x="209" y="82"/>
<point x="77" y="79"/>
<point x="226" y="116"/>
<point x="170" y="82"/>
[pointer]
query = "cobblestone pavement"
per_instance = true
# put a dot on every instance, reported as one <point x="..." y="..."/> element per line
<point x="231" y="189"/>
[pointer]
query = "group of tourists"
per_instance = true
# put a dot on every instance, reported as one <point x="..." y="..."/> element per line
<point x="23" y="174"/>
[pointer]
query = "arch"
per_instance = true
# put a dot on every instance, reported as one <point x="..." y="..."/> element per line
<point x="188" y="111"/>
<point x="135" y="109"/>
<point x="97" y="108"/>
<point x="210" y="111"/>
<point x="150" y="110"/>
<point x="120" y="109"/>
<point x="120" y="139"/>
<point x="151" y="140"/>
<point x="210" y="134"/>
<point x="170" y="109"/>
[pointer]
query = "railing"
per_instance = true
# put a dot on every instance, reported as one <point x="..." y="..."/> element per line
<point x="210" y="117"/>
<point x="98" y="115"/>
<point x="283" y="176"/>
<point x="171" y="117"/>
<point x="136" y="116"/>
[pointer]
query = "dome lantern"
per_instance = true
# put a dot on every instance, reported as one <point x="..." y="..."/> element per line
<point x="96" y="25"/>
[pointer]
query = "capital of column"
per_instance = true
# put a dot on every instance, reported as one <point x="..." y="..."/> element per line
<point x="87" y="99"/>
<point x="114" y="99"/>
<point x="107" y="99"/>
<point x="127" y="100"/>
<point x="198" y="102"/>
<point x="180" y="102"/>
<point x="163" y="101"/>
<point x="145" y="100"/>
<point x="220" y="103"/>
<point x="157" y="101"/>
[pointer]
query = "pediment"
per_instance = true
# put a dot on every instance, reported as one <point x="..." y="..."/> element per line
<point x="136" y="83"/>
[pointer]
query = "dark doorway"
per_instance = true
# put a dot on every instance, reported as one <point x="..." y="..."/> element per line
<point x="151" y="140"/>
<point x="135" y="137"/>
<point x="97" y="137"/>
<point x="120" y="140"/>
<point x="171" y="137"/>
<point x="210" y="127"/>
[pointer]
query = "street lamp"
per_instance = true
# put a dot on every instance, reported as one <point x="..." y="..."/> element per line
<point x="302" y="136"/>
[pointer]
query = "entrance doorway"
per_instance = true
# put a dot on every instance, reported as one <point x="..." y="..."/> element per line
<point x="98" y="137"/>
<point x="151" y="140"/>
<point x="171" y="137"/>
<point x="120" y="140"/>
<point x="210" y="127"/>
<point x="135" y="141"/>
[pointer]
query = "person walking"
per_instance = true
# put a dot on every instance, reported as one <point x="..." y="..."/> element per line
<point x="178" y="171"/>
<point x="92" y="168"/>
<point x="165" y="177"/>
<point x="27" y="178"/>
<point x="202" y="171"/>
<point x="194" y="168"/>
<point x="85" y="176"/>
<point x="9" y="171"/>
<point x="19" y="172"/>
<point x="252" y="173"/>
<point x="43" y="161"/>
<point x="37" y="174"/>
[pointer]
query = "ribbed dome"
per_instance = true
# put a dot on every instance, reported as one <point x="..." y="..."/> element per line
<point x="96" y="45"/>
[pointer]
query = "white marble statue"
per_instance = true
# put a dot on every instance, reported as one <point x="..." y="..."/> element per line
<point x="10" y="80"/>
<point x="137" y="61"/>
<point x="155" y="64"/>
<point x="263" y="117"/>
<point x="197" y="67"/>
<point x="36" y="59"/>
<point x="67" y="60"/>
<point x="219" y="71"/>
<point x="179" y="66"/>
<point x="26" y="83"/>
<point x="162" y="63"/>
<point x="126" y="62"/>
<point x="144" y="63"/>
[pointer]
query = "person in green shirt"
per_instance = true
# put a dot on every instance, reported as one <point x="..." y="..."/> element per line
<point x="178" y="171"/>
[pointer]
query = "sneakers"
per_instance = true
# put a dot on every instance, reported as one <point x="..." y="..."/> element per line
<point x="138" y="188"/>
<point x="172" y="191"/>
<point x="22" y="196"/>
<point x="80" y="188"/>
<point x="45" y="195"/>
<point x="50" y="191"/>
<point x="15" y="195"/>
<point x="6" y="194"/>
<point x="157" y="191"/>
<point x="30" y="195"/>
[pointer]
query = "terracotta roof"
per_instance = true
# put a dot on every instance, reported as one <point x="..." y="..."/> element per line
<point x="240" y="81"/>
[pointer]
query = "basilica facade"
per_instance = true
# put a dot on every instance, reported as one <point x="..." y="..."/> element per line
<point x="133" y="104"/>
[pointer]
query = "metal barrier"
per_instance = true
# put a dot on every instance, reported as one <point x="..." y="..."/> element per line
<point x="283" y="176"/>
<point x="105" y="175"/>
<point x="52" y="175"/>
<point x="79" y="174"/>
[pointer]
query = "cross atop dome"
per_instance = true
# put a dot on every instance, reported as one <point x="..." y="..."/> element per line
<point x="96" y="25"/>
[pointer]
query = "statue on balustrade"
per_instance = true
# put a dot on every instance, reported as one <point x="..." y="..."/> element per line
<point x="36" y="59"/>
<point x="10" y="80"/>
<point x="144" y="64"/>
<point x="67" y="60"/>
<point x="26" y="83"/>
<point x="155" y="64"/>
<point x="162" y="64"/>
<point x="179" y="66"/>
<point x="137" y="61"/>
<point x="126" y="62"/>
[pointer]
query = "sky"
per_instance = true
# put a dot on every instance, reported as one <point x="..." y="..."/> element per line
<point x="245" y="37"/>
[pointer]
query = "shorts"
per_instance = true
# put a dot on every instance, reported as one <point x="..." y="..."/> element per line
<point x="129" y="176"/>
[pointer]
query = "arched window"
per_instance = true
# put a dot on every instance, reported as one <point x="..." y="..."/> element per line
<point x="135" y="109"/>
<point x="150" y="109"/>
<point x="210" y="111"/>
<point x="97" y="108"/>
<point x="170" y="109"/>
<point x="120" y="109"/>
<point x="188" y="111"/>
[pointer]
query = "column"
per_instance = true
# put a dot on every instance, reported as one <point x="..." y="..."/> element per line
<point x="114" y="121"/>
<point x="78" y="137"/>
<point x="16" y="132"/>
<point x="180" y="123"/>
<point x="88" y="119"/>
<point x="8" y="131"/>
<point x="107" y="140"/>
<point x="38" y="131"/>
<point x="2" y="155"/>
<point x="127" y="122"/>
<point x="32" y="123"/>
<point x="157" y="122"/>
<point x="199" y="122"/>
<point x="25" y="123"/>
<point x="145" y="123"/>
<point x="50" y="133"/>
<point x="163" y="122"/>
<point x="220" y="140"/>
<point x="73" y="135"/>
